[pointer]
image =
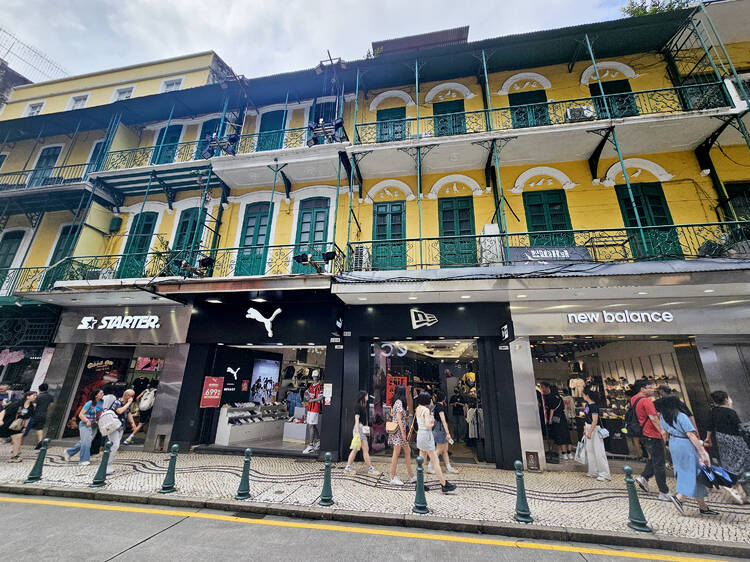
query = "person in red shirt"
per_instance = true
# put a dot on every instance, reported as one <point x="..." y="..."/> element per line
<point x="648" y="417"/>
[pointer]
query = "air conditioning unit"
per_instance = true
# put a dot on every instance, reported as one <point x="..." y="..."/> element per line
<point x="361" y="258"/>
<point x="580" y="113"/>
<point x="491" y="245"/>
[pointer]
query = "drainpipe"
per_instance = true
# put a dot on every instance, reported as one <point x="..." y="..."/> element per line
<point x="419" y="164"/>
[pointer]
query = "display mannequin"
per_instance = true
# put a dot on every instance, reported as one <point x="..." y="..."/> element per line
<point x="576" y="385"/>
<point x="314" y="398"/>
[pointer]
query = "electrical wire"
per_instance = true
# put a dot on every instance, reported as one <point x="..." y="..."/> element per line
<point x="721" y="149"/>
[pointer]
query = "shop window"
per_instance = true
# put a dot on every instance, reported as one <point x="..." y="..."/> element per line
<point x="389" y="231"/>
<point x="659" y="243"/>
<point x="620" y="100"/>
<point x="458" y="245"/>
<point x="547" y="211"/>
<point x="529" y="109"/>
<point x="133" y="261"/>
<point x="312" y="231"/>
<point x="251" y="258"/>
<point x="448" y="118"/>
<point x="271" y="132"/>
<point x="391" y="124"/>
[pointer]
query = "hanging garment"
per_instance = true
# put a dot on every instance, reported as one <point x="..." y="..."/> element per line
<point x="576" y="387"/>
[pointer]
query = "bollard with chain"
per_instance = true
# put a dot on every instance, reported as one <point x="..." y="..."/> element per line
<point x="523" y="513"/>
<point x="243" y="492"/>
<point x="326" y="496"/>
<point x="420" y="501"/>
<point x="36" y="471"/>
<point x="167" y="487"/>
<point x="100" y="478"/>
<point x="635" y="514"/>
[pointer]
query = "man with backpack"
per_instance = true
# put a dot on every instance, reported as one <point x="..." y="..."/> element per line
<point x="642" y="420"/>
<point x="145" y="402"/>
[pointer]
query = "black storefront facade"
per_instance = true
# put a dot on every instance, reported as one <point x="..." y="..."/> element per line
<point x="407" y="344"/>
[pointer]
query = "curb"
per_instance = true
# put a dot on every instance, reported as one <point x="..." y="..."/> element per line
<point x="519" y="530"/>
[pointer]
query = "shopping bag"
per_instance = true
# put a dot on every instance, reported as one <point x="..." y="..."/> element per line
<point x="580" y="456"/>
<point x="356" y="443"/>
<point x="603" y="431"/>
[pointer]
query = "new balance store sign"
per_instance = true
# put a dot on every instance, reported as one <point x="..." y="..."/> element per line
<point x="619" y="317"/>
<point x="125" y="325"/>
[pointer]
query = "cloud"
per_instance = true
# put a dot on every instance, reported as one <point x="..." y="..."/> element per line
<point x="262" y="37"/>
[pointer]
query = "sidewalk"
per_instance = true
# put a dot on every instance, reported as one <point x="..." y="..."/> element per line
<point x="558" y="500"/>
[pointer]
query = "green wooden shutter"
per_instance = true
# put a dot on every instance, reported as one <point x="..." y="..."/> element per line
<point x="271" y="130"/>
<point x="63" y="247"/>
<point x="620" y="100"/>
<point x="9" y="245"/>
<point x="391" y="124"/>
<point x="547" y="211"/>
<point x="251" y="259"/>
<point x="457" y="221"/>
<point x="655" y="243"/>
<point x="166" y="154"/>
<point x="44" y="165"/>
<point x="186" y="228"/>
<point x="208" y="128"/>
<point x="388" y="224"/>
<point x="529" y="109"/>
<point x="449" y="118"/>
<point x="96" y="154"/>
<point x="312" y="231"/>
<point x="133" y="262"/>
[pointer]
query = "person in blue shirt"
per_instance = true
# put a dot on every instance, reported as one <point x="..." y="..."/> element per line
<point x="88" y="417"/>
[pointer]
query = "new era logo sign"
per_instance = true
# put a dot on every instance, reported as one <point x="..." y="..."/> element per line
<point x="421" y="319"/>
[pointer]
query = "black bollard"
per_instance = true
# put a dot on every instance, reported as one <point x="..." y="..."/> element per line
<point x="36" y="471"/>
<point x="326" y="496"/>
<point x="100" y="478"/>
<point x="243" y="492"/>
<point x="523" y="513"/>
<point x="635" y="513"/>
<point x="420" y="501"/>
<point x="167" y="487"/>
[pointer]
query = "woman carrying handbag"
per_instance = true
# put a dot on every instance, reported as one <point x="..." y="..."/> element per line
<point x="13" y="420"/>
<point x="399" y="439"/>
<point x="596" y="456"/>
<point x="359" y="435"/>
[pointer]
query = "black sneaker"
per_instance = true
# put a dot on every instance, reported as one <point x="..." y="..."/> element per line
<point x="448" y="488"/>
<point x="678" y="504"/>
<point x="709" y="511"/>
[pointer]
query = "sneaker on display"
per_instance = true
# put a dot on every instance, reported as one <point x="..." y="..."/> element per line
<point x="396" y="481"/>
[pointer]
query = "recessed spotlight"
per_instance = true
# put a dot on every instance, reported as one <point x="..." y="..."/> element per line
<point x="413" y="298"/>
<point x="214" y="300"/>
<point x="654" y="337"/>
<point x="376" y="338"/>
<point x="127" y="298"/>
<point x="408" y="337"/>
<point x="476" y="337"/>
<point x="520" y="296"/>
<point x="461" y="308"/>
<point x="249" y="344"/>
<point x="219" y="343"/>
<point x="259" y="299"/>
<point x="441" y="337"/>
<point x="708" y="290"/>
<point x="310" y="343"/>
<point x="620" y="337"/>
<point x="642" y="293"/>
<point x="465" y="296"/>
<point x="361" y="298"/>
<point x="194" y="311"/>
<point x="589" y="337"/>
<point x="279" y="343"/>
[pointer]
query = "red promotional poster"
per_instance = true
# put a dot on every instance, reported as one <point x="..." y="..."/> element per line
<point x="391" y="384"/>
<point x="245" y="385"/>
<point x="211" y="396"/>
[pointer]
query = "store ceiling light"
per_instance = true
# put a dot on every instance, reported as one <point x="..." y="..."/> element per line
<point x="413" y="298"/>
<point x="461" y="308"/>
<point x="465" y="296"/>
<point x="310" y="343"/>
<point x="214" y="300"/>
<point x="521" y="296"/>
<point x="708" y="291"/>
<point x="127" y="298"/>
<point x="642" y="293"/>
<point x="279" y="343"/>
<point x="361" y="298"/>
<point x="259" y="299"/>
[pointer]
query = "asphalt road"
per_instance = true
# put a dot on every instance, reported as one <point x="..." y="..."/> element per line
<point x="58" y="529"/>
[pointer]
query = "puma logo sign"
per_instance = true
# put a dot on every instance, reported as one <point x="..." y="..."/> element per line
<point x="233" y="372"/>
<point x="255" y="315"/>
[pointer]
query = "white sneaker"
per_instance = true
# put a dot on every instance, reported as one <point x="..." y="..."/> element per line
<point x="110" y="471"/>
<point x="309" y="449"/>
<point x="84" y="463"/>
<point x="373" y="472"/>
<point x="664" y="497"/>
<point x="413" y="480"/>
<point x="348" y="469"/>
<point x="396" y="481"/>
<point x="603" y="479"/>
<point x="430" y="469"/>
<point x="66" y="456"/>
<point x="450" y="469"/>
<point x="643" y="484"/>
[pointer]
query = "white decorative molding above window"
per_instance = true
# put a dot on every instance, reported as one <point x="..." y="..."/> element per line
<point x="609" y="70"/>
<point x="542" y="176"/>
<point x="638" y="165"/>
<point x="524" y="81"/>
<point x="388" y="189"/>
<point x="77" y="101"/>
<point x="382" y="96"/>
<point x="456" y="184"/>
<point x="448" y="91"/>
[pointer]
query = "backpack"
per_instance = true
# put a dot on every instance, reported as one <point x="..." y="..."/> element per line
<point x="109" y="422"/>
<point x="633" y="427"/>
<point x="147" y="400"/>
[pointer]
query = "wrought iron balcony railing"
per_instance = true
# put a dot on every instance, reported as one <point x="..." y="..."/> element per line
<point x="666" y="100"/>
<point x="222" y="262"/>
<point x="45" y="177"/>
<point x="272" y="140"/>
<point x="711" y="240"/>
<point x="151" y="155"/>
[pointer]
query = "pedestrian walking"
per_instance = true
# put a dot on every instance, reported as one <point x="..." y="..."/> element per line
<point x="13" y="420"/>
<point x="43" y="401"/>
<point x="664" y="390"/>
<point x="360" y="433"/>
<point x="688" y="455"/>
<point x="441" y="433"/>
<point x="121" y="407"/>
<point x="725" y="432"/>
<point x="559" y="431"/>
<point x="400" y="439"/>
<point x="145" y="406"/>
<point x="88" y="417"/>
<point x="425" y="439"/>
<point x="596" y="456"/>
<point x="651" y="437"/>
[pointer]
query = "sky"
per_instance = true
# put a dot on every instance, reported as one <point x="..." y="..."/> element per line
<point x="261" y="37"/>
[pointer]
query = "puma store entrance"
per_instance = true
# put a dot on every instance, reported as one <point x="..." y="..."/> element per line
<point x="261" y="372"/>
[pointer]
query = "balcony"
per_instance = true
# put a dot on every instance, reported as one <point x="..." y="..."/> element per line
<point x="650" y="102"/>
<point x="613" y="245"/>
<point x="151" y="155"/>
<point x="45" y="177"/>
<point x="104" y="270"/>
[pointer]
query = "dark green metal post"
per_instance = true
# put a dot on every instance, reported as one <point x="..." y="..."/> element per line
<point x="167" y="487"/>
<point x="326" y="496"/>
<point x="523" y="513"/>
<point x="36" y="471"/>
<point x="243" y="492"/>
<point x="100" y="478"/>
<point x="635" y="513"/>
<point x="420" y="501"/>
<point x="157" y="148"/>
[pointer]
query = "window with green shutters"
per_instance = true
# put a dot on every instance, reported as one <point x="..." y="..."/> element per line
<point x="620" y="101"/>
<point x="529" y="109"/>
<point x="547" y="211"/>
<point x="251" y="258"/>
<point x="165" y="148"/>
<point x="391" y="124"/>
<point x="63" y="247"/>
<point x="9" y="245"/>
<point x="207" y="129"/>
<point x="388" y="231"/>
<point x="458" y="245"/>
<point x="312" y="231"/>
<point x="186" y="228"/>
<point x="44" y="167"/>
<point x="271" y="132"/>
<point x="96" y="154"/>
<point x="661" y="243"/>
<point x="448" y="118"/>
<point x="133" y="262"/>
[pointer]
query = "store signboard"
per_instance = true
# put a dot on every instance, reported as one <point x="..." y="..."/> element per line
<point x="620" y="317"/>
<point x="124" y="325"/>
<point x="211" y="395"/>
<point x="530" y="255"/>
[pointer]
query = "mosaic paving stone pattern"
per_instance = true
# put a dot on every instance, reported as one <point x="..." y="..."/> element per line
<point x="559" y="499"/>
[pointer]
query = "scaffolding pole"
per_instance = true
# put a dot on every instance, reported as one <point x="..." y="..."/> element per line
<point x="617" y="144"/>
<point x="275" y="169"/>
<point x="202" y="213"/>
<point x="72" y="142"/>
<point x="220" y="131"/>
